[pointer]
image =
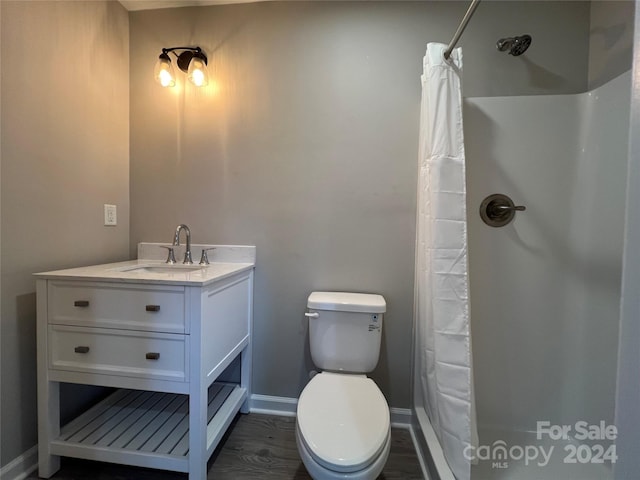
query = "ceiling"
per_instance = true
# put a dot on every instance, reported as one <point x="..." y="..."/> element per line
<point x="132" y="5"/>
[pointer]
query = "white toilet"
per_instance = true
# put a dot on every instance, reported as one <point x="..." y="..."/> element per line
<point x="342" y="428"/>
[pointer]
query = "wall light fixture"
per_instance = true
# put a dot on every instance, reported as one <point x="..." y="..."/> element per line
<point x="191" y="61"/>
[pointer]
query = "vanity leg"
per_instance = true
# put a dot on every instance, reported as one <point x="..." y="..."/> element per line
<point x="198" y="435"/>
<point x="245" y="376"/>
<point x="48" y="392"/>
<point x="246" y="366"/>
<point x="48" y="427"/>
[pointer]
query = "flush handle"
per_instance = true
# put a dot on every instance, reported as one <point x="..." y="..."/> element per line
<point x="81" y="349"/>
<point x="312" y="315"/>
<point x="152" y="356"/>
<point x="152" y="308"/>
<point x="81" y="303"/>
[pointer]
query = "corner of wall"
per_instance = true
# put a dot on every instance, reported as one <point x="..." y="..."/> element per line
<point x="53" y="187"/>
<point x="610" y="40"/>
<point x="628" y="387"/>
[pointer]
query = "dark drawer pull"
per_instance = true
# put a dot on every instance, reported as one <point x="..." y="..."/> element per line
<point x="81" y="303"/>
<point x="152" y="356"/>
<point x="81" y="349"/>
<point x="153" y="308"/>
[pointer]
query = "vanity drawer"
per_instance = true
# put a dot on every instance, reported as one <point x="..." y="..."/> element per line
<point x="158" y="308"/>
<point x="125" y="353"/>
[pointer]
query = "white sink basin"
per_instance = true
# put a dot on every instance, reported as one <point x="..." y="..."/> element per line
<point x="166" y="268"/>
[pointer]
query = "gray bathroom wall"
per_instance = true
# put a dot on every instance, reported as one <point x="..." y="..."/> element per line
<point x="65" y="137"/>
<point x="610" y="40"/>
<point x="305" y="144"/>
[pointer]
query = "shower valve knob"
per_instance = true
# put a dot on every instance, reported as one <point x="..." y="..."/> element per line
<point x="498" y="210"/>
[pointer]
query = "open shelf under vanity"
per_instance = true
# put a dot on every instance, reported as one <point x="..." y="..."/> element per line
<point x="146" y="429"/>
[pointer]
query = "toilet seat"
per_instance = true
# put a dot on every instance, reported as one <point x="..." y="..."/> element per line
<point x="343" y="421"/>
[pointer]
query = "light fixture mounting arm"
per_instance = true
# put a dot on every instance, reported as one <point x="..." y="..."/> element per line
<point x="184" y="58"/>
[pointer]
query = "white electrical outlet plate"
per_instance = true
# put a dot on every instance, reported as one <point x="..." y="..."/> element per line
<point x="110" y="216"/>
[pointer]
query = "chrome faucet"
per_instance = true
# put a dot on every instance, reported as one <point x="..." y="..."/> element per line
<point x="176" y="242"/>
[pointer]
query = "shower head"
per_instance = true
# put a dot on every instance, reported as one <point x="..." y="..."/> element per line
<point x="515" y="45"/>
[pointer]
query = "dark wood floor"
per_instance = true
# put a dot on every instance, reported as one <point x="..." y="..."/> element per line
<point x="256" y="447"/>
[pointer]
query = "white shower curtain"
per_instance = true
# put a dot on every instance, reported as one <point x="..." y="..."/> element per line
<point x="442" y="284"/>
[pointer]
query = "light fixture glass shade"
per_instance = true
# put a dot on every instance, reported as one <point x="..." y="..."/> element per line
<point x="163" y="71"/>
<point x="197" y="72"/>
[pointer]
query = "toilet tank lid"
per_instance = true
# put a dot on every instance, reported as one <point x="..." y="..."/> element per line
<point x="347" y="302"/>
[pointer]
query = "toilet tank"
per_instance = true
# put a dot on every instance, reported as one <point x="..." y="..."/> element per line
<point x="345" y="330"/>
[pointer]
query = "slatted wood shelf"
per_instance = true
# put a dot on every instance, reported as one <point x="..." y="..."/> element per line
<point x="146" y="429"/>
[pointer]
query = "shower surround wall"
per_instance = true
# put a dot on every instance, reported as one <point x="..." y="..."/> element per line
<point x="545" y="290"/>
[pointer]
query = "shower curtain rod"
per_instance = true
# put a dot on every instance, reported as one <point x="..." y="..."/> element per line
<point x="461" y="27"/>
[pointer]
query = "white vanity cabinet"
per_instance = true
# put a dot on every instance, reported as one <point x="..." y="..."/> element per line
<point x="162" y="343"/>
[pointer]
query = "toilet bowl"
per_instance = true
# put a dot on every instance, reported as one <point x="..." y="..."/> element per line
<point x="343" y="427"/>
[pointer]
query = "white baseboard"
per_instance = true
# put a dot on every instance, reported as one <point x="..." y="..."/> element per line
<point x="21" y="467"/>
<point x="266" y="404"/>
<point x="400" y="417"/>
<point x="287" y="406"/>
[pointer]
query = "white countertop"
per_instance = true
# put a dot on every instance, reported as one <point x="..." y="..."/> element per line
<point x="131" y="271"/>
